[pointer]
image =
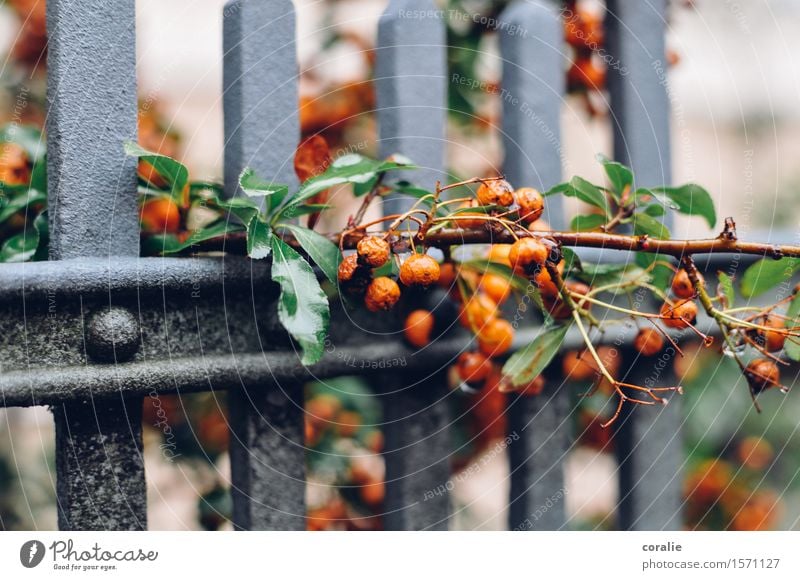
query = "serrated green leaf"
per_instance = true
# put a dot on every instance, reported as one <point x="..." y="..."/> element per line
<point x="303" y="307"/>
<point x="791" y="346"/>
<point x="588" y="193"/>
<point x="320" y="249"/>
<point x="529" y="362"/>
<point x="174" y="172"/>
<point x="726" y="288"/>
<point x="584" y="223"/>
<point x="691" y="199"/>
<point x="618" y="174"/>
<point x="767" y="273"/>
<point x="644" y="224"/>
<point x="259" y="238"/>
<point x="254" y="186"/>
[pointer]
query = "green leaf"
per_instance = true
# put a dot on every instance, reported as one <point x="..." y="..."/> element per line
<point x="174" y="172"/>
<point x="584" y="223"/>
<point x="619" y="175"/>
<point x="661" y="272"/>
<point x="259" y="237"/>
<point x="350" y="168"/>
<point x="644" y="224"/>
<point x="691" y="199"/>
<point x="319" y="248"/>
<point x="654" y="209"/>
<point x="215" y="230"/>
<point x="303" y="307"/>
<point x="529" y="362"/>
<point x="254" y="186"/>
<point x="767" y="273"/>
<point x="726" y="287"/>
<point x="791" y="347"/>
<point x="21" y="201"/>
<point x="571" y="260"/>
<point x="243" y="208"/>
<point x="42" y="227"/>
<point x="20" y="247"/>
<point x="560" y="188"/>
<point x="588" y="193"/>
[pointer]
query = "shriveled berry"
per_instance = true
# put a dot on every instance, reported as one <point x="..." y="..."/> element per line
<point x="496" y="336"/>
<point x="420" y="270"/>
<point x="530" y="202"/>
<point x="682" y="286"/>
<point x="473" y="367"/>
<point x="679" y="316"/>
<point x="382" y="294"/>
<point x="348" y="268"/>
<point x="478" y="310"/>
<point x="495" y="192"/>
<point x="495" y="287"/>
<point x="373" y="251"/>
<point x="418" y="328"/>
<point x="527" y="256"/>
<point x="761" y="374"/>
<point x="648" y="342"/>
<point x="772" y="340"/>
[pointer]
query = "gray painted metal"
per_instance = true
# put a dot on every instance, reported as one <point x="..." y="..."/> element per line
<point x="262" y="127"/>
<point x="91" y="94"/>
<point x="262" y="132"/>
<point x="531" y="44"/>
<point x="411" y="86"/>
<point x="411" y="81"/>
<point x="650" y="489"/>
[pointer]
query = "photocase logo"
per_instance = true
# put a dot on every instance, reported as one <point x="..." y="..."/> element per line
<point x="31" y="553"/>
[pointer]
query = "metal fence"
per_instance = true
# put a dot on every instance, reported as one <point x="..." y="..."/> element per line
<point x="96" y="329"/>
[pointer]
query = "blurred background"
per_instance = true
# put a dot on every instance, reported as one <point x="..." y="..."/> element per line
<point x="734" y="85"/>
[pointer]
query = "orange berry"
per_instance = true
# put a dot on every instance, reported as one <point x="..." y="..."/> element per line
<point x="477" y="312"/>
<point x="578" y="366"/>
<point x="322" y="409"/>
<point x="447" y="275"/>
<point x="473" y="367"/>
<point x="348" y="268"/>
<point x="682" y="286"/>
<point x="679" y="316"/>
<point x="539" y="225"/>
<point x="527" y="256"/>
<point x="532" y="389"/>
<point x="771" y="340"/>
<point x="160" y="215"/>
<point x="382" y="294"/>
<point x="14" y="165"/>
<point x="545" y="283"/>
<point x="373" y="251"/>
<point x="373" y="493"/>
<point x="418" y="328"/>
<point x="530" y="202"/>
<point x="648" y="342"/>
<point x="419" y="269"/>
<point x="761" y="374"/>
<point x="495" y="192"/>
<point x="499" y="253"/>
<point x="495" y="287"/>
<point x="496" y="336"/>
<point x="755" y="453"/>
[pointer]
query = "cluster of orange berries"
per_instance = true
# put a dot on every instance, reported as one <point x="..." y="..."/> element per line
<point x="356" y="273"/>
<point x="585" y="34"/>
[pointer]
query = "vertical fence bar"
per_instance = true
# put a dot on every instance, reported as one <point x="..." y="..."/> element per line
<point x="648" y="439"/>
<point x="262" y="132"/>
<point x="411" y="77"/>
<point x="91" y="94"/>
<point x="531" y="44"/>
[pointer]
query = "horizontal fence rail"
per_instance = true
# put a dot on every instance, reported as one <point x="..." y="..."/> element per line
<point x="104" y="328"/>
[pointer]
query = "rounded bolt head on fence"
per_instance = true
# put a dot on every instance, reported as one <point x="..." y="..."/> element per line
<point x="112" y="335"/>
